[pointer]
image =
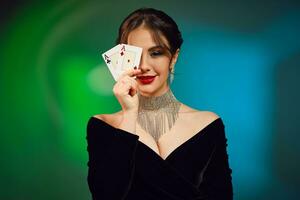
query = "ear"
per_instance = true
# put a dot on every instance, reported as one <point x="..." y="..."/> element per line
<point x="174" y="58"/>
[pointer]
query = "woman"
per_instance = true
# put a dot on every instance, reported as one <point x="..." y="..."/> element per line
<point x="155" y="147"/>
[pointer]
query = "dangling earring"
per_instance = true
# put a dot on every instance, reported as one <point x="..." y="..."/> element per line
<point x="171" y="74"/>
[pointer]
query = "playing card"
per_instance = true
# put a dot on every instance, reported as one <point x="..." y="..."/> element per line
<point x="112" y="58"/>
<point x="130" y="57"/>
<point x="122" y="57"/>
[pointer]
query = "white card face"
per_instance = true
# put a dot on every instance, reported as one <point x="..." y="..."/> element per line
<point x="122" y="57"/>
<point x="130" y="56"/>
<point x="112" y="60"/>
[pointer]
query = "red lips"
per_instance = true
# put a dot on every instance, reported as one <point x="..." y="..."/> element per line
<point x="146" y="79"/>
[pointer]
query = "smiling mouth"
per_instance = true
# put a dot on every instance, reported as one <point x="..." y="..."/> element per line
<point x="146" y="79"/>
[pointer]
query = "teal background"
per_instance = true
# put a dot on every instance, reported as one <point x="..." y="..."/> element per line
<point x="239" y="59"/>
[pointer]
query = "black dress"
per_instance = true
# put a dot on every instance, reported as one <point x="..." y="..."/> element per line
<point x="122" y="167"/>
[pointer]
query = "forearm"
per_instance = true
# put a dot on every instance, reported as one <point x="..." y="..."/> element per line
<point x="128" y="122"/>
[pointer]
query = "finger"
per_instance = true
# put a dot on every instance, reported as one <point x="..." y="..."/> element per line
<point x="130" y="72"/>
<point x="126" y="80"/>
<point x="122" y="86"/>
<point x="133" y="84"/>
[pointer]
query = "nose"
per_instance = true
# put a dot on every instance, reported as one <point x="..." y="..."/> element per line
<point x="144" y="65"/>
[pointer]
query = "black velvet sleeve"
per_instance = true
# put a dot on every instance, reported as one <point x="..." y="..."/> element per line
<point x="111" y="160"/>
<point x="217" y="177"/>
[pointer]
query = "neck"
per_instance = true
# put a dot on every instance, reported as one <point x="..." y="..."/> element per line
<point x="156" y="113"/>
<point x="156" y="102"/>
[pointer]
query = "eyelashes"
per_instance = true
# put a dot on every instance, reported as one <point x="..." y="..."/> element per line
<point x="156" y="53"/>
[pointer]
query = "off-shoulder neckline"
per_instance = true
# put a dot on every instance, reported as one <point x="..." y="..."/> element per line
<point x="188" y="141"/>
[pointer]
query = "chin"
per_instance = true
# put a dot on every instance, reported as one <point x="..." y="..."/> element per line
<point x="149" y="90"/>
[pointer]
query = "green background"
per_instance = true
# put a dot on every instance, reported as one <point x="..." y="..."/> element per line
<point x="239" y="59"/>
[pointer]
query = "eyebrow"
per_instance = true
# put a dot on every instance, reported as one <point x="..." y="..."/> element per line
<point x="156" y="47"/>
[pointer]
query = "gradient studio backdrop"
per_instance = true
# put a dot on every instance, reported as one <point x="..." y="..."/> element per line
<point x="239" y="59"/>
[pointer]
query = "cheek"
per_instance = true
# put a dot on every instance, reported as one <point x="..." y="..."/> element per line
<point x="162" y="67"/>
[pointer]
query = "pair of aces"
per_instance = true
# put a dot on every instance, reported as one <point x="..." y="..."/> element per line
<point x="122" y="57"/>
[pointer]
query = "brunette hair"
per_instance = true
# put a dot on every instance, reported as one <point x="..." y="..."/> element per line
<point x="157" y="22"/>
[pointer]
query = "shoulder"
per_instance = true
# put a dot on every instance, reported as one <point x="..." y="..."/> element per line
<point x="204" y="118"/>
<point x="204" y="115"/>
<point x="94" y="127"/>
<point x="112" y="119"/>
<point x="198" y="119"/>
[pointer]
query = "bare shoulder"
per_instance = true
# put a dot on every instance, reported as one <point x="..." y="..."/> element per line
<point x="199" y="115"/>
<point x="113" y="119"/>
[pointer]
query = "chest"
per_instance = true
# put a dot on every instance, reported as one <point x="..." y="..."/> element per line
<point x="183" y="129"/>
<point x="189" y="159"/>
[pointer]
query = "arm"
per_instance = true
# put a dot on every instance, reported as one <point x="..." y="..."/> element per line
<point x="111" y="160"/>
<point x="217" y="177"/>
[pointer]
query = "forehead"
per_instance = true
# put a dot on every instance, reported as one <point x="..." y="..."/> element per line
<point x="143" y="37"/>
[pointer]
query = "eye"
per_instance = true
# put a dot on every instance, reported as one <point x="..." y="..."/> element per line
<point x="156" y="53"/>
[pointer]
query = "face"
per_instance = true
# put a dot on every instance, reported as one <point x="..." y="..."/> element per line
<point x="155" y="63"/>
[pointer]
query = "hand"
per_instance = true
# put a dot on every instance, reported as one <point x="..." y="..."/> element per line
<point x="125" y="91"/>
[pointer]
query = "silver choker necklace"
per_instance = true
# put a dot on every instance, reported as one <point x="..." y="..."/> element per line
<point x="155" y="112"/>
